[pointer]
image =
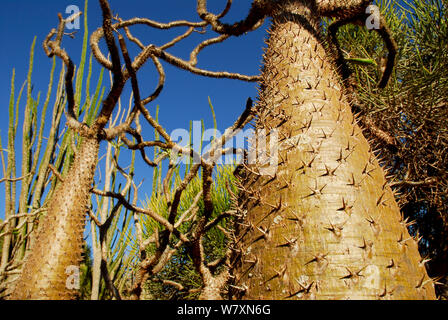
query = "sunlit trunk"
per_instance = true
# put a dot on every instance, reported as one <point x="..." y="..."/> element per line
<point x="52" y="265"/>
<point x="326" y="225"/>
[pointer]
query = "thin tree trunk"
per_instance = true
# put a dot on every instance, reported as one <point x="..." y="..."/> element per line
<point x="98" y="243"/>
<point x="58" y="246"/>
<point x="9" y="186"/>
<point x="326" y="225"/>
<point x="96" y="265"/>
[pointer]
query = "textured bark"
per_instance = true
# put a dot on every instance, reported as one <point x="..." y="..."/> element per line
<point x="59" y="241"/>
<point x="326" y="225"/>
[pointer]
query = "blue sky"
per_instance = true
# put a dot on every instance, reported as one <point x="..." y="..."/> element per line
<point x="185" y="96"/>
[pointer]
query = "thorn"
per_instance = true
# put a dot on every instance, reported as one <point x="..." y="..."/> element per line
<point x="289" y="243"/>
<point x="352" y="274"/>
<point x="435" y="280"/>
<point x="329" y="172"/>
<point x="288" y="184"/>
<point x="348" y="146"/>
<point x="391" y="264"/>
<point x="339" y="119"/>
<point x="301" y="167"/>
<point x="324" y="135"/>
<point x="252" y="262"/>
<point x="418" y="238"/>
<point x="317" y="258"/>
<point x="336" y="230"/>
<point x="385" y="292"/>
<point x="303" y="289"/>
<point x="380" y="200"/>
<point x="365" y="245"/>
<point x="420" y="282"/>
<point x="307" y="124"/>
<point x="309" y="85"/>
<point x="402" y="241"/>
<point x="345" y="207"/>
<point x="349" y="275"/>
<point x="314" y="150"/>
<point x="264" y="234"/>
<point x="348" y="155"/>
<point x="340" y="156"/>
<point x="352" y="182"/>
<point x="371" y="221"/>
<point x="278" y="274"/>
<point x="316" y="110"/>
<point x="367" y="172"/>
<point x="296" y="218"/>
<point x="270" y="180"/>
<point x="283" y="121"/>
<point x="423" y="261"/>
<point x="242" y="289"/>
<point x="316" y="191"/>
<point x="310" y="163"/>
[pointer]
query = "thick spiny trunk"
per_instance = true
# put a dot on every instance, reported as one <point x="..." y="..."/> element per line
<point x="57" y="249"/>
<point x="326" y="226"/>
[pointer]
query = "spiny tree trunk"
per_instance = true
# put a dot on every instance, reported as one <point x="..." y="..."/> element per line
<point x="52" y="265"/>
<point x="59" y="241"/>
<point x="326" y="225"/>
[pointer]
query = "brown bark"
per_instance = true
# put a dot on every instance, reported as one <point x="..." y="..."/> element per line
<point x="59" y="240"/>
<point x="326" y="225"/>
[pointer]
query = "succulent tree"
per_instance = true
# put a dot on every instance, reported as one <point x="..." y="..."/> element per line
<point x="321" y="222"/>
<point x="325" y="224"/>
<point x="59" y="241"/>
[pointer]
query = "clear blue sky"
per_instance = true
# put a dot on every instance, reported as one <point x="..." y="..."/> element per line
<point x="185" y="96"/>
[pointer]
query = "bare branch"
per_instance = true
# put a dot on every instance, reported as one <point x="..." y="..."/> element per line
<point x="118" y="77"/>
<point x="152" y="50"/>
<point x="52" y="48"/>
<point x="426" y="182"/>
<point x="56" y="172"/>
<point x="148" y="212"/>
<point x="13" y="179"/>
<point x="218" y="219"/>
<point x="193" y="56"/>
<point x="254" y="19"/>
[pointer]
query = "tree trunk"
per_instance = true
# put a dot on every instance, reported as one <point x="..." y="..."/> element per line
<point x="326" y="225"/>
<point x="50" y="268"/>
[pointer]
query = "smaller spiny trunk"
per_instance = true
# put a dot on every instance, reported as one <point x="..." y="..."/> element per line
<point x="58" y="245"/>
